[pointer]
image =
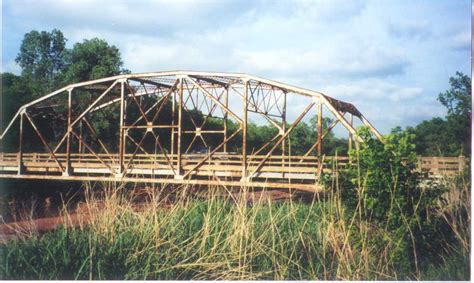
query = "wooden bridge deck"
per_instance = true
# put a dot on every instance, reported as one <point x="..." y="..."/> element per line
<point x="292" y="172"/>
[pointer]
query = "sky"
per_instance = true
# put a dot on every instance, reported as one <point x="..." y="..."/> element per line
<point x="390" y="59"/>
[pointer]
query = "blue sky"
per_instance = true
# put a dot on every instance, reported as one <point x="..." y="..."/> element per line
<point x="389" y="58"/>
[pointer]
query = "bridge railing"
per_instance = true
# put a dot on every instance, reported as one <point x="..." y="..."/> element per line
<point x="437" y="165"/>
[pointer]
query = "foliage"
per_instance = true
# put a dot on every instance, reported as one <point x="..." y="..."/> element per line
<point x="92" y="59"/>
<point x="450" y="136"/>
<point x="48" y="65"/>
<point x="14" y="94"/>
<point x="42" y="59"/>
<point x="384" y="184"/>
<point x="386" y="190"/>
<point x="458" y="98"/>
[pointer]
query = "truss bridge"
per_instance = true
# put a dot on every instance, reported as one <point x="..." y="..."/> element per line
<point x="180" y="127"/>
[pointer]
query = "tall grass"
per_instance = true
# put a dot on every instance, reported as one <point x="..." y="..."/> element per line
<point x="454" y="213"/>
<point x="224" y="238"/>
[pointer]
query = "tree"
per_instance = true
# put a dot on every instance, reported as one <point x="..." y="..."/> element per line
<point x="15" y="92"/>
<point x="41" y="58"/>
<point x="458" y="98"/>
<point x="93" y="59"/>
<point x="48" y="65"/>
<point x="450" y="136"/>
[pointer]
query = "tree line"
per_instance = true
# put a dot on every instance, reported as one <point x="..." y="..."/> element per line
<point x="47" y="64"/>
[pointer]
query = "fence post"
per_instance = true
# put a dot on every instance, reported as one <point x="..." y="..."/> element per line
<point x="461" y="163"/>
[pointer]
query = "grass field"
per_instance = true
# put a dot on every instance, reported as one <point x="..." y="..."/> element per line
<point x="225" y="238"/>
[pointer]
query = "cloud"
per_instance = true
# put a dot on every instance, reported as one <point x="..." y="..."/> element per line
<point x="355" y="62"/>
<point x="389" y="58"/>
<point x="158" y="18"/>
<point x="410" y="30"/>
<point x="373" y="90"/>
<point x="461" y="41"/>
<point x="249" y="38"/>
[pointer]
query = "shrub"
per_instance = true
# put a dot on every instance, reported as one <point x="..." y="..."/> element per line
<point x="386" y="189"/>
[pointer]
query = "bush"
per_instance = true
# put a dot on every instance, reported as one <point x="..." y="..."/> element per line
<point x="386" y="189"/>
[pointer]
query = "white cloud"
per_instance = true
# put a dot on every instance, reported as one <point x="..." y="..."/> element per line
<point x="388" y="58"/>
<point x="461" y="41"/>
<point x="373" y="90"/>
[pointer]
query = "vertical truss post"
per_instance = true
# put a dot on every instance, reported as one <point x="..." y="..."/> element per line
<point x="122" y="130"/>
<point x="320" y="131"/>
<point x="68" y="170"/>
<point x="20" y="145"/>
<point x="173" y="122"/>
<point x="80" y="138"/>
<point x="180" y="129"/>
<point x="244" y="130"/>
<point x="283" y="127"/>
<point x="226" y="116"/>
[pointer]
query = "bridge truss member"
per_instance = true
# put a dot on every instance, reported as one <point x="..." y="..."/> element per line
<point x="179" y="127"/>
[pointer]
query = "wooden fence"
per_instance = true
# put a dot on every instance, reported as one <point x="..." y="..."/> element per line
<point x="440" y="165"/>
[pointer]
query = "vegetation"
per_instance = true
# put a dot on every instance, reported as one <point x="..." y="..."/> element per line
<point x="386" y="190"/>
<point x="450" y="136"/>
<point x="226" y="238"/>
<point x="379" y="220"/>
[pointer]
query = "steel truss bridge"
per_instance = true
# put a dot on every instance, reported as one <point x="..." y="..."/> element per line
<point x="180" y="127"/>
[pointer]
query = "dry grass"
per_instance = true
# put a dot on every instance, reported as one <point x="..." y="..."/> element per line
<point x="174" y="236"/>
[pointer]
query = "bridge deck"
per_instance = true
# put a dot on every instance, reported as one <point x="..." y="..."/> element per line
<point x="293" y="172"/>
<point x="296" y="172"/>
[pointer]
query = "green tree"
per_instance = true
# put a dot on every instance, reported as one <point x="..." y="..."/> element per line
<point x="458" y="98"/>
<point x="93" y="59"/>
<point x="15" y="92"/>
<point x="42" y="59"/>
<point x="48" y="65"/>
<point x="450" y="136"/>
